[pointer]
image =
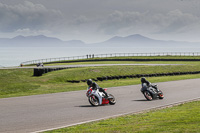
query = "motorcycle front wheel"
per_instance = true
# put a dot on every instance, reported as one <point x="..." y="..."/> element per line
<point x="93" y="100"/>
<point x="112" y="100"/>
<point x="148" y="95"/>
<point x="160" y="95"/>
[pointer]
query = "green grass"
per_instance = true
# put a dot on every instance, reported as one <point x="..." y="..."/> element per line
<point x="94" y="72"/>
<point x="124" y="62"/>
<point x="156" y="57"/>
<point x="21" y="82"/>
<point x="65" y="62"/>
<point x="184" y="118"/>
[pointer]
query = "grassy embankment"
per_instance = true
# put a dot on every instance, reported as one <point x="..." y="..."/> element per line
<point x="184" y="118"/>
<point x="21" y="82"/>
<point x="67" y="62"/>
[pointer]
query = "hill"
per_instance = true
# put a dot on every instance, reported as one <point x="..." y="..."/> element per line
<point x="37" y="41"/>
<point x="135" y="40"/>
<point x="138" y="40"/>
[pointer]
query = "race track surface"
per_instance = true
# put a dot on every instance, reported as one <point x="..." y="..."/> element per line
<point x="43" y="112"/>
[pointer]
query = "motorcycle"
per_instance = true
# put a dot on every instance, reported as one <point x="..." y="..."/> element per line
<point x="95" y="97"/>
<point x="40" y="65"/>
<point x="151" y="93"/>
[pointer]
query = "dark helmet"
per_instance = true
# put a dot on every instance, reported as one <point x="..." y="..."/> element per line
<point x="143" y="79"/>
<point x="89" y="81"/>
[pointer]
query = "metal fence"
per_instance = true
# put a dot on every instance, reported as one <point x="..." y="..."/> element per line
<point x="110" y="55"/>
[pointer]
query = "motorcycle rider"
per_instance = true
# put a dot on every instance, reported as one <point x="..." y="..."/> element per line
<point x="143" y="80"/>
<point x="95" y="86"/>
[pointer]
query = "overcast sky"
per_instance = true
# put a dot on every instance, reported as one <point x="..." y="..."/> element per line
<point x="98" y="20"/>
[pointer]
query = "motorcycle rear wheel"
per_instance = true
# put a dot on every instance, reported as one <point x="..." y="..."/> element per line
<point x="148" y="95"/>
<point x="112" y="100"/>
<point x="93" y="100"/>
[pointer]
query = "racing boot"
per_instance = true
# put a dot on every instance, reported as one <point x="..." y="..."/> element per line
<point x="106" y="95"/>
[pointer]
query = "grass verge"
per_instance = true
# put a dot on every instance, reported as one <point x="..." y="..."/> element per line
<point x="184" y="118"/>
<point x="98" y="59"/>
<point x="21" y="82"/>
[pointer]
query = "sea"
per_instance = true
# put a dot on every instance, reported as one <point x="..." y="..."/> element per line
<point x="14" y="56"/>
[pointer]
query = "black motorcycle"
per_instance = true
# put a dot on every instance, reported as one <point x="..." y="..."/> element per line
<point x="150" y="92"/>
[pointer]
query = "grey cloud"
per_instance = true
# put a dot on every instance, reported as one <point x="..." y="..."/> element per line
<point x="177" y="20"/>
<point x="172" y="21"/>
<point x="127" y="21"/>
<point x="27" y="15"/>
<point x="79" y="21"/>
<point x="91" y="19"/>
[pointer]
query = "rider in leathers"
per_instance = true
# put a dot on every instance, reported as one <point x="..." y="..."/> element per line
<point x="143" y="80"/>
<point x="95" y="86"/>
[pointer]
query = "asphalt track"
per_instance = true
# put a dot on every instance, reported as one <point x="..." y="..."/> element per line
<point x="50" y="111"/>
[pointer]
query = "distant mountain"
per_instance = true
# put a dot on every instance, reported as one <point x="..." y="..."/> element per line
<point x="138" y="40"/>
<point x="129" y="39"/>
<point x="75" y="43"/>
<point x="132" y="39"/>
<point x="35" y="38"/>
<point x="40" y="40"/>
<point x="37" y="41"/>
<point x="135" y="40"/>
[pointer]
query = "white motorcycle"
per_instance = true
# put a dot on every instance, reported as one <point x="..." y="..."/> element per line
<point x="95" y="97"/>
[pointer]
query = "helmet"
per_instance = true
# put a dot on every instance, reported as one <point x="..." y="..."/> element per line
<point x="89" y="81"/>
<point x="143" y="79"/>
